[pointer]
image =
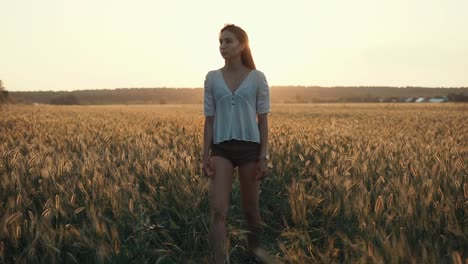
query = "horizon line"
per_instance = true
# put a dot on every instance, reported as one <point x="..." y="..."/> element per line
<point x="271" y="87"/>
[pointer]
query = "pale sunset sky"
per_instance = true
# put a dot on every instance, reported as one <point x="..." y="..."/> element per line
<point x="103" y="44"/>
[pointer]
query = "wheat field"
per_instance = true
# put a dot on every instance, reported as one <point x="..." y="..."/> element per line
<point x="349" y="183"/>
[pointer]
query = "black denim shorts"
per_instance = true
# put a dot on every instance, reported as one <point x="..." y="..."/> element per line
<point x="237" y="151"/>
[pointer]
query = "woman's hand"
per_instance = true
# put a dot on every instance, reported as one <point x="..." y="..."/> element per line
<point x="208" y="168"/>
<point x="262" y="169"/>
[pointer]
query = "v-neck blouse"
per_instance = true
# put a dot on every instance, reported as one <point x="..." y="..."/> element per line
<point x="235" y="112"/>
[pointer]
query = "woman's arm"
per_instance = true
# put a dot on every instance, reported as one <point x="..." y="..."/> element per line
<point x="263" y="108"/>
<point x="263" y="162"/>
<point x="207" y="142"/>
<point x="263" y="128"/>
<point x="208" y="136"/>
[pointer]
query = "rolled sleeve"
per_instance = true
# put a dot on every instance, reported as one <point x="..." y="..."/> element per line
<point x="263" y="95"/>
<point x="208" y="99"/>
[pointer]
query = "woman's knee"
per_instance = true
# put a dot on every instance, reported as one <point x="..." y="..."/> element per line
<point x="252" y="215"/>
<point x="218" y="215"/>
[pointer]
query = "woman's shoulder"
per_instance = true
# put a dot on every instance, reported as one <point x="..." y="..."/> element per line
<point x="258" y="72"/>
<point x="259" y="75"/>
<point x="210" y="72"/>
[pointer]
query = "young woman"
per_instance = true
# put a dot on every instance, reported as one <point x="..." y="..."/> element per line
<point x="235" y="96"/>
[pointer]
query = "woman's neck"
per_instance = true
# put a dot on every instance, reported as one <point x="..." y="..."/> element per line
<point x="234" y="65"/>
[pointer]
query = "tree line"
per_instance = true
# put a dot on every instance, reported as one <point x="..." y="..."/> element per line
<point x="4" y="96"/>
<point x="279" y="94"/>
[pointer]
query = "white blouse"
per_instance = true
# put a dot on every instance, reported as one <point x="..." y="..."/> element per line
<point x="235" y="113"/>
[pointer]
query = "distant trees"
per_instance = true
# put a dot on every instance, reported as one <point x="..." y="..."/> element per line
<point x="3" y="93"/>
<point x="457" y="97"/>
<point x="68" y="99"/>
<point x="279" y="94"/>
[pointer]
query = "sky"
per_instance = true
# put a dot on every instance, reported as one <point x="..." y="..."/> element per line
<point x="64" y="45"/>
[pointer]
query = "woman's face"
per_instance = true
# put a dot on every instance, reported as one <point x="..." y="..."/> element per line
<point x="229" y="45"/>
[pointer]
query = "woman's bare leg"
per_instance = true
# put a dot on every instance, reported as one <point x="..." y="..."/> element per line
<point x="220" y="193"/>
<point x="249" y="187"/>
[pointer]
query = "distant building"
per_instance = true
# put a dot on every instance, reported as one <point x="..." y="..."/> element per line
<point x="437" y="100"/>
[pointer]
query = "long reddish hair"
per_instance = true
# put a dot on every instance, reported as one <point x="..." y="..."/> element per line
<point x="241" y="35"/>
